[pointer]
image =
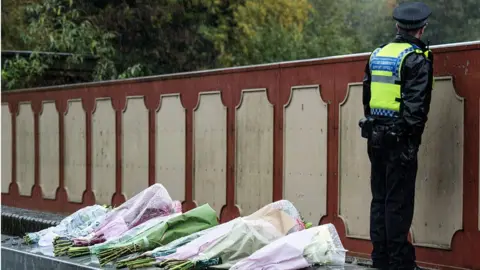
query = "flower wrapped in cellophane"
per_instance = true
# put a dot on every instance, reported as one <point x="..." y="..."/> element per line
<point x="162" y="233"/>
<point x="150" y="203"/>
<point x="316" y="246"/>
<point x="123" y="238"/>
<point x="146" y="258"/>
<point x="78" y="224"/>
<point x="227" y="243"/>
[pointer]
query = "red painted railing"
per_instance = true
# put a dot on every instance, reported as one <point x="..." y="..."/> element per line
<point x="23" y="146"/>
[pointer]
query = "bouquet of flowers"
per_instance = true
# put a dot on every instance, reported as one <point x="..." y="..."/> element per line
<point x="319" y="245"/>
<point x="151" y="202"/>
<point x="227" y="243"/>
<point x="125" y="237"/>
<point x="162" y="233"/>
<point x="144" y="259"/>
<point x="61" y="244"/>
<point x="75" y="225"/>
<point x="148" y="258"/>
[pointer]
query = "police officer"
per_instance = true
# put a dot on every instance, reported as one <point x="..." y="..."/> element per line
<point x="396" y="97"/>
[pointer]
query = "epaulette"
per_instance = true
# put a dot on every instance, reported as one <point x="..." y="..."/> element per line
<point x="427" y="53"/>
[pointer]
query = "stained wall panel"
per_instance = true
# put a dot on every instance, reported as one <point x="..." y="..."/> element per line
<point x="170" y="144"/>
<point x="439" y="184"/>
<point x="210" y="144"/>
<point x="103" y="151"/>
<point x="6" y="130"/>
<point x="75" y="151"/>
<point x="49" y="150"/>
<point x="25" y="149"/>
<point x="134" y="147"/>
<point x="305" y="156"/>
<point x="254" y="151"/>
<point x="354" y="167"/>
<point x="439" y="187"/>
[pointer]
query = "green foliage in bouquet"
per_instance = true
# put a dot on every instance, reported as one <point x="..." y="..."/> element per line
<point x="195" y="220"/>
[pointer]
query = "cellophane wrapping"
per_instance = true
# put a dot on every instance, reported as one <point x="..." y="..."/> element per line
<point x="151" y="202"/>
<point x="237" y="239"/>
<point x="195" y="220"/>
<point x="319" y="245"/>
<point x="78" y="224"/>
<point x="130" y="234"/>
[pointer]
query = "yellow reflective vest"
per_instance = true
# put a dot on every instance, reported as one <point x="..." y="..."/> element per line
<point x="385" y="70"/>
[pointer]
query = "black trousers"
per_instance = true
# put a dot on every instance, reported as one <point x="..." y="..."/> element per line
<point x="393" y="173"/>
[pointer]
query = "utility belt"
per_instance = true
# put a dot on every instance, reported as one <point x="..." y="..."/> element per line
<point x="380" y="132"/>
<point x="385" y="134"/>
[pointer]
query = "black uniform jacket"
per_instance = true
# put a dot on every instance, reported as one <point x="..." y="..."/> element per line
<point x="416" y="89"/>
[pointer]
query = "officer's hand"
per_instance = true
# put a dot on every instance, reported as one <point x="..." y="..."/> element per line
<point x="408" y="154"/>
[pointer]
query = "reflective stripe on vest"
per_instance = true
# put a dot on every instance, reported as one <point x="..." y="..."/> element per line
<point x="385" y="68"/>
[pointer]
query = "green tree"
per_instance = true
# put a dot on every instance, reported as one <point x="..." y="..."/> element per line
<point x="370" y="21"/>
<point x="58" y="26"/>
<point x="452" y="21"/>
<point x="327" y="31"/>
<point x="13" y="24"/>
<point x="131" y="38"/>
<point x="281" y="30"/>
<point x="162" y="36"/>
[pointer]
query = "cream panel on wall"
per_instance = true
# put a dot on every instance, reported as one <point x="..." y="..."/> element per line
<point x="439" y="184"/>
<point x="254" y="151"/>
<point x="49" y="150"/>
<point x="6" y="148"/>
<point x="103" y="151"/>
<point x="25" y="149"/>
<point x="210" y="144"/>
<point x="134" y="147"/>
<point x="170" y="144"/>
<point x="354" y="167"/>
<point x="439" y="187"/>
<point x="75" y="150"/>
<point x="305" y="152"/>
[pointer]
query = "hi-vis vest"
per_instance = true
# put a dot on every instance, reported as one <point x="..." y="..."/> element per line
<point x="385" y="70"/>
